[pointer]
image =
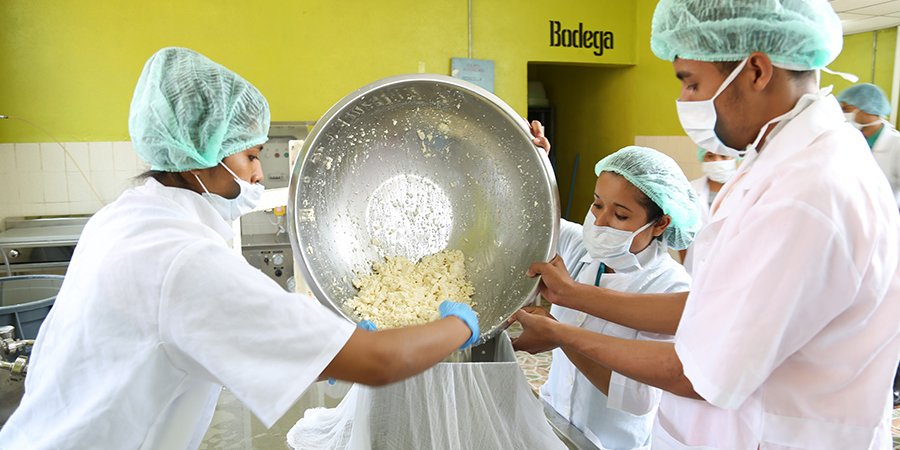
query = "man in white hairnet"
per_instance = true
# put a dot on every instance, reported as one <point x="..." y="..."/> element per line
<point x="790" y="336"/>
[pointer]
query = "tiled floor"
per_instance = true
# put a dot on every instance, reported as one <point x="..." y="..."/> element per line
<point x="535" y="367"/>
<point x="895" y="428"/>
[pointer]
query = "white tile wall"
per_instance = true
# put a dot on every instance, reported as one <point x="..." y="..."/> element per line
<point x="7" y="157"/>
<point x="79" y="156"/>
<point x="101" y="156"/>
<point x="124" y="157"/>
<point x="41" y="179"/>
<point x="78" y="189"/>
<point x="55" y="188"/>
<point x="28" y="157"/>
<point x="30" y="185"/>
<point x="53" y="157"/>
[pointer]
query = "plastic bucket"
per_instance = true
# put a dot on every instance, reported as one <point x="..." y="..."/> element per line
<point x="26" y="300"/>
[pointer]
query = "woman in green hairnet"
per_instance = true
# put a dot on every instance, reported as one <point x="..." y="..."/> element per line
<point x="622" y="245"/>
<point x="157" y="313"/>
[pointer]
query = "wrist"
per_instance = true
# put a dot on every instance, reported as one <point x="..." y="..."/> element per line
<point x="573" y="295"/>
<point x="555" y="334"/>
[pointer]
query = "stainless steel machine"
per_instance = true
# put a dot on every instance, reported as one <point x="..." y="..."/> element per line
<point x="264" y="240"/>
<point x="275" y="158"/>
<point x="271" y="257"/>
<point x="39" y="245"/>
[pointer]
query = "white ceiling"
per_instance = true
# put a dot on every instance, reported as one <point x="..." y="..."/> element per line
<point x="858" y="16"/>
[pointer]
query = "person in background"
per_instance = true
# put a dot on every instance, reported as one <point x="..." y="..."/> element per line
<point x="789" y="335"/>
<point x="643" y="204"/>
<point x="865" y="106"/>
<point x="157" y="312"/>
<point x="717" y="170"/>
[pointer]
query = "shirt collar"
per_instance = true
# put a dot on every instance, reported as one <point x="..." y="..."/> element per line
<point x="814" y="115"/>
<point x="191" y="203"/>
<point x="874" y="137"/>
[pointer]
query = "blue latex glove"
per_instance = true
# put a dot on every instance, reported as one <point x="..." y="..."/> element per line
<point x="367" y="325"/>
<point x="465" y="313"/>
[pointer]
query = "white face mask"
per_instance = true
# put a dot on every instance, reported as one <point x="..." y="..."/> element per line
<point x="719" y="171"/>
<point x="609" y="245"/>
<point x="233" y="208"/>
<point x="851" y="117"/>
<point x="698" y="118"/>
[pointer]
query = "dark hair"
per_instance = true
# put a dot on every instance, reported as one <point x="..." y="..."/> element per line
<point x="725" y="68"/>
<point x="155" y="174"/>
<point x="167" y="178"/>
<point x="654" y="212"/>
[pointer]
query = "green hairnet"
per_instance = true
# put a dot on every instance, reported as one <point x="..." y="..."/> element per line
<point x="660" y="179"/>
<point x="700" y="153"/>
<point x="795" y="34"/>
<point x="189" y="112"/>
<point x="867" y="97"/>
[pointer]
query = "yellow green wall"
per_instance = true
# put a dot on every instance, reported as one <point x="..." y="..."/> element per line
<point x="655" y="86"/>
<point x="590" y="121"/>
<point x="71" y="67"/>
<point x="600" y="108"/>
<point x="856" y="58"/>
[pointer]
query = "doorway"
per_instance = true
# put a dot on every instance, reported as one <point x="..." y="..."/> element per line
<point x="586" y="112"/>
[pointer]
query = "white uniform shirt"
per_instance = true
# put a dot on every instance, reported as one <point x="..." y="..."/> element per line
<point x="155" y="315"/>
<point x="705" y="197"/>
<point x="624" y="420"/>
<point x="791" y="329"/>
<point x="887" y="153"/>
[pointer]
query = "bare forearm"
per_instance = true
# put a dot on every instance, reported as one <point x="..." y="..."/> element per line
<point x="655" y="313"/>
<point x="418" y="348"/>
<point x="383" y="357"/>
<point x="596" y="373"/>
<point x="649" y="362"/>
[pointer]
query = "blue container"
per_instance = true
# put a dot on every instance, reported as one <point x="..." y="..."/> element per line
<point x="26" y="300"/>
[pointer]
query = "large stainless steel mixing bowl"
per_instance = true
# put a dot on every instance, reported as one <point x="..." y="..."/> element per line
<point x="414" y="164"/>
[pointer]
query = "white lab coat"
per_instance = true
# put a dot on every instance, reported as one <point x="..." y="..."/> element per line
<point x="791" y="329"/>
<point x="155" y="315"/>
<point x="701" y="186"/>
<point x="624" y="420"/>
<point x="887" y="153"/>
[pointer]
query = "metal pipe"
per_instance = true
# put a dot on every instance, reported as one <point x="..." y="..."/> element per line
<point x="895" y="81"/>
<point x="874" y="53"/>
<point x="470" y="28"/>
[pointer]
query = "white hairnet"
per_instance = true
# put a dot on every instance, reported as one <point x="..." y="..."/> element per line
<point x="189" y="112"/>
<point x="662" y="181"/>
<point x="795" y="34"/>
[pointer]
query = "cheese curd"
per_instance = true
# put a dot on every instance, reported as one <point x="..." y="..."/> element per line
<point x="399" y="293"/>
